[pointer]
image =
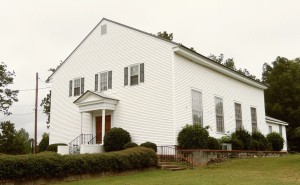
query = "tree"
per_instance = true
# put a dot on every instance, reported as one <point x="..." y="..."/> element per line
<point x="12" y="141"/>
<point x="21" y="142"/>
<point x="230" y="64"/>
<point x="43" y="145"/>
<point x="7" y="96"/>
<point x="283" y="95"/>
<point x="7" y="136"/>
<point x="165" y="35"/>
<point x="46" y="104"/>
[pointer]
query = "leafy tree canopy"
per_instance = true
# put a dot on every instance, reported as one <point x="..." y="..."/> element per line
<point x="46" y="104"/>
<point x="12" y="141"/>
<point x="229" y="62"/>
<point x="7" y="96"/>
<point x="283" y="95"/>
<point x="165" y="35"/>
<point x="43" y="145"/>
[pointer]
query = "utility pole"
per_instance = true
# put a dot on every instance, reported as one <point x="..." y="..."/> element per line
<point x="35" y="113"/>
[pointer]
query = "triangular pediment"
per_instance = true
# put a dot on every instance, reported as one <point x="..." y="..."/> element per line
<point x="90" y="97"/>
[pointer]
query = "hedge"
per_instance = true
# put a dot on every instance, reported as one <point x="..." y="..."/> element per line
<point x="193" y="137"/>
<point x="50" y="164"/>
<point x="150" y="145"/>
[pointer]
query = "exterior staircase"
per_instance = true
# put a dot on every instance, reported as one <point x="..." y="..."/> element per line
<point x="171" y="166"/>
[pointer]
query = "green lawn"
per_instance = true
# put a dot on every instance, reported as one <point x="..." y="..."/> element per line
<point x="272" y="170"/>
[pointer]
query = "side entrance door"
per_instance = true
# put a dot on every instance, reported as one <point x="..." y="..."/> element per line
<point x="99" y="127"/>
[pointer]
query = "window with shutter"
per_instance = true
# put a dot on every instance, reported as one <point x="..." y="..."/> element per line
<point x="134" y="75"/>
<point x="77" y="87"/>
<point x="103" y="81"/>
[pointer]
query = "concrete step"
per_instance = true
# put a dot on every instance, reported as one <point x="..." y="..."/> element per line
<point x="171" y="166"/>
<point x="176" y="169"/>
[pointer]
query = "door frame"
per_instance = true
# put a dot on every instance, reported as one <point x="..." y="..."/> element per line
<point x="99" y="113"/>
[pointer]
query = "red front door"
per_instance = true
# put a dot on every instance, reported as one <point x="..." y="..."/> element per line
<point x="99" y="127"/>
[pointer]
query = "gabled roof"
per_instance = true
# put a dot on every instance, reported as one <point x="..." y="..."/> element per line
<point x="275" y="121"/>
<point x="259" y="84"/>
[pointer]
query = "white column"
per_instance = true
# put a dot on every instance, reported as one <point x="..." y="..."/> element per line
<point x="103" y="124"/>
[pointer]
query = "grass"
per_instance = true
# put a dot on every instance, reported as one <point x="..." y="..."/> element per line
<point x="260" y="171"/>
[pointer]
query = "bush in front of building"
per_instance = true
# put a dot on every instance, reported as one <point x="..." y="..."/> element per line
<point x="213" y="143"/>
<point x="236" y="144"/>
<point x="259" y="141"/>
<point x="130" y="145"/>
<point x="53" y="147"/>
<point x="115" y="139"/>
<point x="276" y="141"/>
<point x="193" y="137"/>
<point x="150" y="145"/>
<point x="244" y="136"/>
<point x="50" y="164"/>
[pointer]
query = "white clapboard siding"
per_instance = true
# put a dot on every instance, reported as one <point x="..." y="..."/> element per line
<point x="144" y="110"/>
<point x="190" y="75"/>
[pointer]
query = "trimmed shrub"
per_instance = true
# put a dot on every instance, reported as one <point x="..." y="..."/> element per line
<point x="259" y="141"/>
<point x="150" y="145"/>
<point x="276" y="141"/>
<point x="50" y="164"/>
<point x="130" y="145"/>
<point x="244" y="136"/>
<point x="236" y="144"/>
<point x="193" y="137"/>
<point x="213" y="143"/>
<point x="224" y="139"/>
<point x="53" y="147"/>
<point x="115" y="139"/>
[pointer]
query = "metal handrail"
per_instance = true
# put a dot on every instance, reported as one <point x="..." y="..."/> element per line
<point x="173" y="153"/>
<point x="81" y="139"/>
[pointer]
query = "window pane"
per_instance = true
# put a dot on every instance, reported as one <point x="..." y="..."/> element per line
<point x="76" y="87"/>
<point x="134" y="70"/>
<point x="134" y="80"/>
<point x="253" y="119"/>
<point x="219" y="114"/>
<point x="238" y="116"/>
<point x="197" y="107"/>
<point x="103" y="81"/>
<point x="280" y="130"/>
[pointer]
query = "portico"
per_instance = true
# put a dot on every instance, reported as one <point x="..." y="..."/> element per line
<point x="102" y="108"/>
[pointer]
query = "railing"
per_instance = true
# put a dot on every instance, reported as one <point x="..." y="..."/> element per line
<point x="92" y="141"/>
<point x="74" y="146"/>
<point x="172" y="153"/>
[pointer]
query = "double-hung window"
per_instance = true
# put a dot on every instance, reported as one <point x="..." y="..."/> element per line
<point x="253" y="119"/>
<point x="280" y="130"/>
<point x="197" y="110"/>
<point x="105" y="81"/>
<point x="219" y="114"/>
<point x="76" y="86"/>
<point x="134" y="74"/>
<point x="238" y="116"/>
<point x="270" y="129"/>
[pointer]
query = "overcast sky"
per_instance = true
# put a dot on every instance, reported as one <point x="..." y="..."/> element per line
<point x="36" y="35"/>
